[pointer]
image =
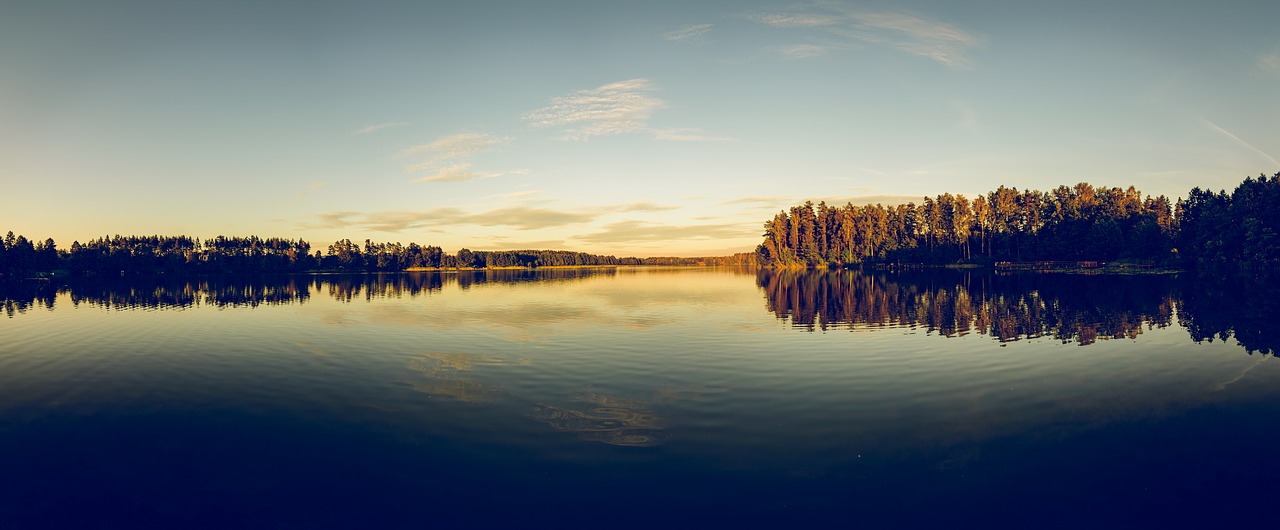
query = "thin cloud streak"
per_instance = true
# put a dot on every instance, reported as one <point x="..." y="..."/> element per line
<point x="909" y="34"/>
<point x="690" y="33"/>
<point x="456" y="146"/>
<point x="641" y="206"/>
<point x="447" y="157"/>
<point x="311" y="188"/>
<point x="686" y="135"/>
<point x="615" y="108"/>
<point x="519" y="217"/>
<point x="799" y="20"/>
<point x="374" y="128"/>
<point x="456" y="173"/>
<point x="1238" y="140"/>
<point x="501" y="243"/>
<point x="772" y="200"/>
<point x="637" y="231"/>
<point x="1270" y="62"/>
<point x="516" y="217"/>
<point x="803" y="51"/>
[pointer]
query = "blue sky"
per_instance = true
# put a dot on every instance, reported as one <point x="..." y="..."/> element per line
<point x="636" y="128"/>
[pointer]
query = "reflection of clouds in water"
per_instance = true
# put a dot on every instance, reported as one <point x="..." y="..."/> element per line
<point x="606" y="419"/>
<point x="694" y="392"/>
<point x="619" y="421"/>
<point x="313" y="349"/>
<point x="528" y="321"/>
<point x="339" y="317"/>
<point x="450" y="375"/>
<point x="1224" y="385"/>
<point x="528" y="314"/>
<point x="531" y="311"/>
<point x="654" y="297"/>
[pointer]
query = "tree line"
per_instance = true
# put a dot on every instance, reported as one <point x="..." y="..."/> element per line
<point x="1240" y="227"/>
<point x="1083" y="222"/>
<point x="21" y="257"/>
<point x="1076" y="223"/>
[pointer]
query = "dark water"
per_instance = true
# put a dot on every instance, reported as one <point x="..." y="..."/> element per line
<point x="639" y="398"/>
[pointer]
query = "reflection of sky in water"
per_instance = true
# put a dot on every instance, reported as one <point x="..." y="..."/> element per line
<point x="694" y="365"/>
<point x="453" y="375"/>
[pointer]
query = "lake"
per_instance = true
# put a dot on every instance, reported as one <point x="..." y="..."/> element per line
<point x="638" y="397"/>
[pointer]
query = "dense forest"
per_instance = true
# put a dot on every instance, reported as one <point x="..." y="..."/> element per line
<point x="21" y="257"/>
<point x="1079" y="223"/>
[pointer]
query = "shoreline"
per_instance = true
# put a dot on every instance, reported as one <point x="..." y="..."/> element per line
<point x="1003" y="268"/>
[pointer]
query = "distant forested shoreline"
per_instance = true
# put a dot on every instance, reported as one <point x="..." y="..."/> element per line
<point x="115" y="255"/>
<point x="1081" y="223"/>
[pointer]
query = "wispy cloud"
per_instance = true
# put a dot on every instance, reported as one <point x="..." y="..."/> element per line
<point x="616" y="108"/>
<point x="641" y="206"/>
<point x="502" y="243"/>
<point x="455" y="173"/>
<point x="803" y="51"/>
<point x="638" y="231"/>
<point x="516" y="195"/>
<point x="374" y="128"/>
<point x="1237" y="139"/>
<point x="447" y="158"/>
<point x="765" y="201"/>
<point x="333" y="219"/>
<point x="311" y="188"/>
<point x="456" y="146"/>
<point x="939" y="41"/>
<point x="690" y="33"/>
<point x="797" y="20"/>
<point x="517" y="217"/>
<point x="1270" y="62"/>
<point x="686" y="135"/>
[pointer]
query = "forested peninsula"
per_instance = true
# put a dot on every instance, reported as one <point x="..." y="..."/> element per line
<point x="115" y="255"/>
<point x="1081" y="223"/>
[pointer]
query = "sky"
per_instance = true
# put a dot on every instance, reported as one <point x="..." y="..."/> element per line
<point x="645" y="128"/>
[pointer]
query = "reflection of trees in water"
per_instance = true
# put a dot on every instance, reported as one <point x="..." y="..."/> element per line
<point x="466" y="279"/>
<point x="128" y="293"/>
<point x="1241" y="306"/>
<point x="252" y="291"/>
<point x="348" y="287"/>
<point x="18" y="297"/>
<point x="606" y="419"/>
<point x="1007" y="307"/>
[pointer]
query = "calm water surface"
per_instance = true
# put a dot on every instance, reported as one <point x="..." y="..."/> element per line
<point x="638" y="398"/>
